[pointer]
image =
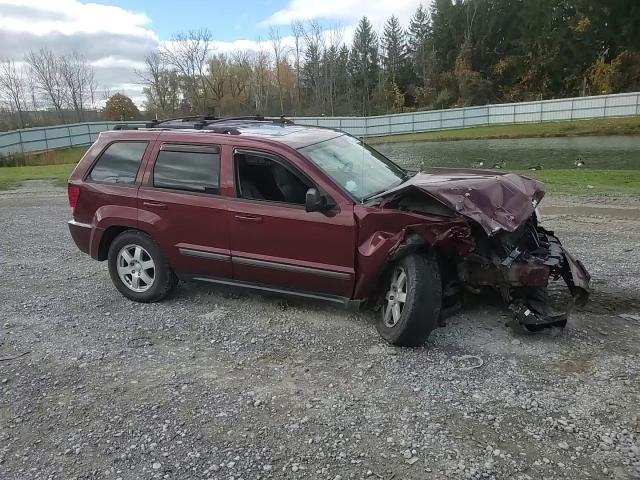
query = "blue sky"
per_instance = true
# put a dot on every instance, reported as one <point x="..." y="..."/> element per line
<point x="250" y="19"/>
<point x="115" y="36"/>
<point x="228" y="20"/>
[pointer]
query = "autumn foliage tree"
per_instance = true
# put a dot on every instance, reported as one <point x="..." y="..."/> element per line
<point x="449" y="53"/>
<point x="120" y="107"/>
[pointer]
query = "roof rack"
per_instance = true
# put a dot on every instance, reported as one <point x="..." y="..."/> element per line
<point x="206" y="122"/>
<point x="256" y="118"/>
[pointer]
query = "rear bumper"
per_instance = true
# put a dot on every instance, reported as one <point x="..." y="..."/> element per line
<point x="81" y="234"/>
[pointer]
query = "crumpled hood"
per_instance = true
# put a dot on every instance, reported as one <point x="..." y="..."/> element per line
<point x="495" y="200"/>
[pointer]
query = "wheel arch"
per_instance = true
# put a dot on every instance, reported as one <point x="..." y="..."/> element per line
<point x="109" y="235"/>
<point x="413" y="243"/>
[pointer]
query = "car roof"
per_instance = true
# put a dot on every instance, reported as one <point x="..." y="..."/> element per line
<point x="277" y="130"/>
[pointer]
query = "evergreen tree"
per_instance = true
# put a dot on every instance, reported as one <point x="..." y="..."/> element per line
<point x="394" y="49"/>
<point x="311" y="77"/>
<point x="364" y="63"/>
<point x="343" y="89"/>
<point x="448" y="25"/>
<point x="420" y="43"/>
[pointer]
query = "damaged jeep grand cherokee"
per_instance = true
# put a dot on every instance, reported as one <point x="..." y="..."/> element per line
<point x="269" y="205"/>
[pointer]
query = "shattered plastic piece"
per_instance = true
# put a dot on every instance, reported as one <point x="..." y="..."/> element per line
<point x="525" y="316"/>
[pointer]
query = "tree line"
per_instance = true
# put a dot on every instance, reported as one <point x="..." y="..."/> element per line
<point x="47" y="88"/>
<point x="454" y="53"/>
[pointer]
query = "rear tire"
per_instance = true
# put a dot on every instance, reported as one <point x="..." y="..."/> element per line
<point x="137" y="268"/>
<point x="412" y="301"/>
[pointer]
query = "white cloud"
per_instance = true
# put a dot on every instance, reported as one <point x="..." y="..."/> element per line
<point x="345" y="11"/>
<point x="241" y="45"/>
<point x="71" y="17"/>
<point x="113" y="40"/>
<point x="115" y="62"/>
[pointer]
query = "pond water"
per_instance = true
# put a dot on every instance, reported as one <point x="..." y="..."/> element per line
<point x="617" y="153"/>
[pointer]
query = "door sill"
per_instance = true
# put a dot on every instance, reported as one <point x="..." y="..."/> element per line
<point x="351" y="305"/>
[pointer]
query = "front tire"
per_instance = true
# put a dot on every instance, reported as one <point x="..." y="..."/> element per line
<point x="137" y="268"/>
<point x="412" y="301"/>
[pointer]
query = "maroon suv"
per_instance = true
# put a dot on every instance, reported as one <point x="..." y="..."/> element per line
<point x="314" y="212"/>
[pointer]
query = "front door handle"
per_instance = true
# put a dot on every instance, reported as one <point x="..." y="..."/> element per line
<point x="249" y="218"/>
<point x="157" y="206"/>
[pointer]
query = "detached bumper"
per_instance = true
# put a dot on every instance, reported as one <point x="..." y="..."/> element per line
<point x="525" y="273"/>
<point x="532" y="306"/>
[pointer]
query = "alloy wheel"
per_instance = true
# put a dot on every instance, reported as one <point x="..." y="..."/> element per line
<point x="395" y="297"/>
<point x="136" y="268"/>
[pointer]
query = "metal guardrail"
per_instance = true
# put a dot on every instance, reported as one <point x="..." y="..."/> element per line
<point x="604" y="106"/>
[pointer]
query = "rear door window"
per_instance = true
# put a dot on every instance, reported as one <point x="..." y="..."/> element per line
<point x="190" y="168"/>
<point x="119" y="163"/>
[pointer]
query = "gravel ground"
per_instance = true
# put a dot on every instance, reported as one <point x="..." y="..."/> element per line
<point x="217" y="383"/>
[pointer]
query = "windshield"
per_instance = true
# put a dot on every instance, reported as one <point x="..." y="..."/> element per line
<point x="356" y="167"/>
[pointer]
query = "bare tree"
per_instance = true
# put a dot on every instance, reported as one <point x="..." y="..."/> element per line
<point x="78" y="77"/>
<point x="279" y="55"/>
<point x="34" y="99"/>
<point x="189" y="53"/>
<point x="107" y="94"/>
<point x="240" y="79"/>
<point x="314" y="46"/>
<point x="260" y="79"/>
<point x="331" y="64"/>
<point x="47" y="71"/>
<point x="471" y="9"/>
<point x="218" y="76"/>
<point x="162" y="85"/>
<point x="93" y="91"/>
<point x="13" y="88"/>
<point x="297" y="29"/>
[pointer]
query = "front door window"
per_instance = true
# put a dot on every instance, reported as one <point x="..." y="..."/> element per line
<point x="263" y="178"/>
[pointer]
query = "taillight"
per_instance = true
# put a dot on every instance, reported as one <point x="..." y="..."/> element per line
<point x="74" y="193"/>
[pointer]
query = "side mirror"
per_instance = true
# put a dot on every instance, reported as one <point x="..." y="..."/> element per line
<point x="314" y="201"/>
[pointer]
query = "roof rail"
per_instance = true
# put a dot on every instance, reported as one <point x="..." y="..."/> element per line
<point x="256" y="118"/>
<point x="199" y="122"/>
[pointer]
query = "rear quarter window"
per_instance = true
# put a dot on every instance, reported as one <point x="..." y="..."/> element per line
<point x="192" y="171"/>
<point x="118" y="163"/>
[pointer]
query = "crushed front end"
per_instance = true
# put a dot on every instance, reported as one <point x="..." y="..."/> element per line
<point x="503" y="246"/>
<point x="522" y="265"/>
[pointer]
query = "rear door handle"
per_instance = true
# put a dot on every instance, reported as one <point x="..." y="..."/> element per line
<point x="157" y="206"/>
<point x="248" y="218"/>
